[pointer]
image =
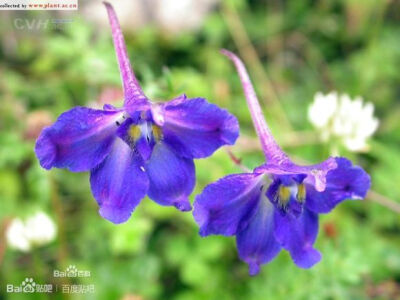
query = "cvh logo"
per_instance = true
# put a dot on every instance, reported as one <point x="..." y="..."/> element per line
<point x="31" y="24"/>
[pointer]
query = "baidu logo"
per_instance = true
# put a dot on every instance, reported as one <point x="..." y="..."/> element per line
<point x="28" y="285"/>
<point x="71" y="271"/>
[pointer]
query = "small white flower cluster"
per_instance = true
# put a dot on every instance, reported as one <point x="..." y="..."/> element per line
<point x="37" y="230"/>
<point x="340" y="117"/>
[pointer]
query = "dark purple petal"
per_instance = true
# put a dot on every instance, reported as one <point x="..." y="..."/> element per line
<point x="123" y="129"/>
<point x="144" y="147"/>
<point x="344" y="182"/>
<point x="143" y="140"/>
<point x="133" y="94"/>
<point x="273" y="190"/>
<point x="272" y="194"/>
<point x="297" y="235"/>
<point x="172" y="178"/>
<point x="119" y="183"/>
<point x="79" y="140"/>
<point x="226" y="206"/>
<point x="196" y="128"/>
<point x="256" y="243"/>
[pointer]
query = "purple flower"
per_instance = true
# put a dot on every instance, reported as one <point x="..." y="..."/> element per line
<point x="141" y="148"/>
<point x="277" y="205"/>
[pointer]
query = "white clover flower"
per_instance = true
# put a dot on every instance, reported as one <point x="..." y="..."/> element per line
<point x="338" y="116"/>
<point x="16" y="237"/>
<point x="323" y="109"/>
<point x="37" y="230"/>
<point x="40" y="229"/>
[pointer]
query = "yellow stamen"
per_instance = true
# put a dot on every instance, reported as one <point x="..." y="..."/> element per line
<point x="157" y="133"/>
<point x="134" y="132"/>
<point x="301" y="192"/>
<point x="284" y="195"/>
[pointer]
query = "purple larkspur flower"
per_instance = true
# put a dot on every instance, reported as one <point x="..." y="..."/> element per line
<point x="277" y="205"/>
<point x="141" y="148"/>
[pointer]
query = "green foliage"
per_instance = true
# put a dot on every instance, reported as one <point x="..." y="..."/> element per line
<point x="304" y="47"/>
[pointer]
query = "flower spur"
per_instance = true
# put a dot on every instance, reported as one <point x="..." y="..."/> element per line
<point x="141" y="148"/>
<point x="277" y="205"/>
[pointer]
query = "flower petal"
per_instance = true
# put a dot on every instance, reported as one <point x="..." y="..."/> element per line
<point x="297" y="235"/>
<point x="79" y="140"/>
<point x="196" y="128"/>
<point x="226" y="206"/>
<point x="119" y="183"/>
<point x="344" y="182"/>
<point x="172" y="178"/>
<point x="256" y="243"/>
<point x="316" y="173"/>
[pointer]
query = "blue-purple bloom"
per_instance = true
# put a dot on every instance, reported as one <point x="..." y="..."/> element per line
<point x="277" y="205"/>
<point x="141" y="148"/>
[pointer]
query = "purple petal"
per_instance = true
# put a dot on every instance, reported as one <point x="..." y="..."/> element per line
<point x="297" y="235"/>
<point x="119" y="183"/>
<point x="316" y="174"/>
<point x="196" y="128"/>
<point x="344" y="182"/>
<point x="256" y="243"/>
<point x="270" y="147"/>
<point x="133" y="94"/>
<point x="226" y="206"/>
<point x="157" y="113"/>
<point x="111" y="107"/>
<point x="172" y="178"/>
<point x="144" y="147"/>
<point x="79" y="140"/>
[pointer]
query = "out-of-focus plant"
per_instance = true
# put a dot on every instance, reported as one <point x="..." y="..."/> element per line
<point x="301" y="47"/>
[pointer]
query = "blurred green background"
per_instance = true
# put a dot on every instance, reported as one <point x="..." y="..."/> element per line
<point x="293" y="49"/>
